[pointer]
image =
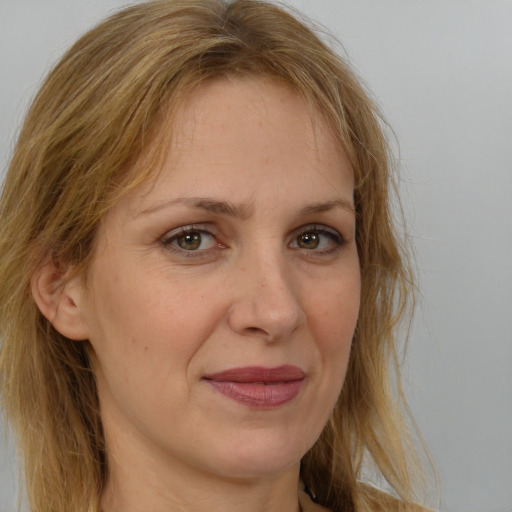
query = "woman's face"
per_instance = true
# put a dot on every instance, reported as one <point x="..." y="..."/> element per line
<point x="222" y="299"/>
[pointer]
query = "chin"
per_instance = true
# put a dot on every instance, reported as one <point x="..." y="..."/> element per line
<point x="260" y="457"/>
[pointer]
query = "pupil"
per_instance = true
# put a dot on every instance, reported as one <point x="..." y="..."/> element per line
<point x="189" y="241"/>
<point x="308" y="241"/>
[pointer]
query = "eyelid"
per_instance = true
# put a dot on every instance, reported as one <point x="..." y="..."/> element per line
<point x="321" y="228"/>
<point x="189" y="228"/>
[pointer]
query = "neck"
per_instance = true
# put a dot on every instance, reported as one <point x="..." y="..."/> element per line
<point x="139" y="481"/>
<point x="130" y="492"/>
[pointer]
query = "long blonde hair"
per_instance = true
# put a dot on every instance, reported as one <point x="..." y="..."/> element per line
<point x="98" y="109"/>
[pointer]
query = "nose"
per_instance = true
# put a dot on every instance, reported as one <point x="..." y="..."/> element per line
<point x="266" y="303"/>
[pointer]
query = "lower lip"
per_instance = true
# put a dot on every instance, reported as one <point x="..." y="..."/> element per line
<point x="257" y="394"/>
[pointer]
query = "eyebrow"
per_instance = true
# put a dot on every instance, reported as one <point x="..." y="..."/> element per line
<point x="243" y="211"/>
<point x="205" y="203"/>
<point x="328" y="205"/>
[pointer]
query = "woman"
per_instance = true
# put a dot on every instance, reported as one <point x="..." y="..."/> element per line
<point x="200" y="275"/>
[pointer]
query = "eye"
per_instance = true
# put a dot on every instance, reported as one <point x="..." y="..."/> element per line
<point x="190" y="240"/>
<point x="320" y="239"/>
<point x="308" y="240"/>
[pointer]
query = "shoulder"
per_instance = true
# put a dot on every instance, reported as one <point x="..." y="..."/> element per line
<point x="376" y="500"/>
<point x="371" y="500"/>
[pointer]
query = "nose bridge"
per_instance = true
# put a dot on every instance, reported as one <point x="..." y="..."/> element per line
<point x="268" y="302"/>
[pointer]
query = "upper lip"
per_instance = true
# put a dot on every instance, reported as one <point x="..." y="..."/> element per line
<point x="258" y="374"/>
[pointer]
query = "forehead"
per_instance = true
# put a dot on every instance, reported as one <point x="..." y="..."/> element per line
<point x="231" y="131"/>
<point x="244" y="109"/>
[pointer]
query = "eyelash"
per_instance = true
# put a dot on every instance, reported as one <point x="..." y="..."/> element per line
<point x="336" y="239"/>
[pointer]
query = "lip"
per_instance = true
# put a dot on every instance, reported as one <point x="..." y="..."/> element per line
<point x="259" y="387"/>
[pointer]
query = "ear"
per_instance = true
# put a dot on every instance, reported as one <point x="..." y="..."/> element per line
<point x="59" y="295"/>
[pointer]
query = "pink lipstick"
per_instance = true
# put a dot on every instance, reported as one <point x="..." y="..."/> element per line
<point x="258" y="387"/>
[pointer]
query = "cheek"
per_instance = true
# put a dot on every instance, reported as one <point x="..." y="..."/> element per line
<point x="336" y="310"/>
<point x="147" y="320"/>
<point x="146" y="337"/>
<point x="333" y="320"/>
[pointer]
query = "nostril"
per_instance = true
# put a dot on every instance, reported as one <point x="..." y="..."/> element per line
<point x="254" y="329"/>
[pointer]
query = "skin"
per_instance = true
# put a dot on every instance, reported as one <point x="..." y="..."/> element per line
<point x="248" y="167"/>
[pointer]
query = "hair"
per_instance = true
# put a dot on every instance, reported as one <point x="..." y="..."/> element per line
<point x="98" y="110"/>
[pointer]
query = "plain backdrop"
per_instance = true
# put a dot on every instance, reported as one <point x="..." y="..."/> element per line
<point x="441" y="71"/>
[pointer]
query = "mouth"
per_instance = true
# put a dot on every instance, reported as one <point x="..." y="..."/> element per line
<point x="259" y="387"/>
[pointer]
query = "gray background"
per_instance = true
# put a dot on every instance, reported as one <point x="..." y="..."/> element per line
<point x="442" y="72"/>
